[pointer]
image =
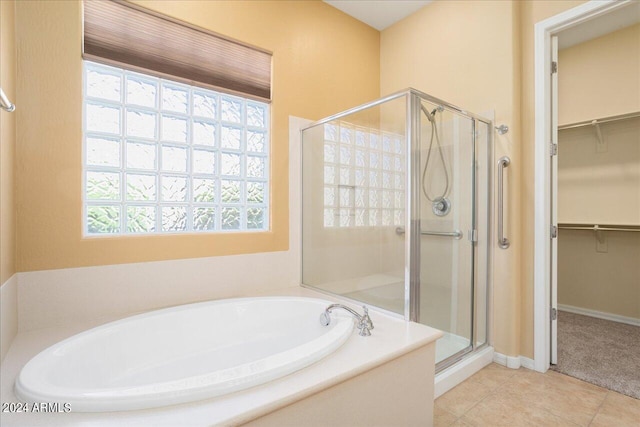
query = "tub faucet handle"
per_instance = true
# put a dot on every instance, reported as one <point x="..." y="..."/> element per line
<point x="364" y="331"/>
<point x="366" y="319"/>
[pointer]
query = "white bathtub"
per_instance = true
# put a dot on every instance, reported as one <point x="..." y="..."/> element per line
<point x="182" y="354"/>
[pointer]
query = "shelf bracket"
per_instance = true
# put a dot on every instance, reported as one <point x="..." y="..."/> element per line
<point x="601" y="240"/>
<point x="601" y="145"/>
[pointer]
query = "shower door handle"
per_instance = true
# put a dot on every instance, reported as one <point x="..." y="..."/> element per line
<point x="457" y="234"/>
<point x="503" y="163"/>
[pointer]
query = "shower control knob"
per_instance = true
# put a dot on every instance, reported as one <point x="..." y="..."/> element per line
<point x="441" y="206"/>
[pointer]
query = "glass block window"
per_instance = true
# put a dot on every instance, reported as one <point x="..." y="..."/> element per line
<point x="164" y="157"/>
<point x="364" y="177"/>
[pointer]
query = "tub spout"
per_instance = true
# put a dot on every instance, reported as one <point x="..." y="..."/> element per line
<point x="365" y="325"/>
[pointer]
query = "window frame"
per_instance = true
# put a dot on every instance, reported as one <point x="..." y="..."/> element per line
<point x="123" y="203"/>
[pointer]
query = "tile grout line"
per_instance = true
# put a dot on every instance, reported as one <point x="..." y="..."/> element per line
<point x="495" y="390"/>
<point x="581" y="381"/>
<point x="470" y="379"/>
<point x="448" y="412"/>
<point x="491" y="392"/>
<point x="599" y="407"/>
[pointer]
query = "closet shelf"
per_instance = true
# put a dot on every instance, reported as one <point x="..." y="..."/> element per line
<point x="600" y="121"/>
<point x="599" y="227"/>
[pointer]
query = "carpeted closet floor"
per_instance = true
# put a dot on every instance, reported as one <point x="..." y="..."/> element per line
<point x="599" y="351"/>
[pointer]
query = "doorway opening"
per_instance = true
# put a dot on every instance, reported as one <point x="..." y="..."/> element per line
<point x="587" y="286"/>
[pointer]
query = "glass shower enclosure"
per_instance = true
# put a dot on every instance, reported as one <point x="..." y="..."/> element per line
<point x="396" y="213"/>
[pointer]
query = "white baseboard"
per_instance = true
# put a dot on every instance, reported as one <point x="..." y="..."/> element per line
<point x="454" y="375"/>
<point x="513" y="362"/>
<point x="528" y="363"/>
<point x="599" y="314"/>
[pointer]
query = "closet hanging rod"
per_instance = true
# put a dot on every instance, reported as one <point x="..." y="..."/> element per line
<point x="596" y="227"/>
<point x="600" y="121"/>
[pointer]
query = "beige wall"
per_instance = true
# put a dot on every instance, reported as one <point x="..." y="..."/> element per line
<point x="7" y="142"/>
<point x="467" y="53"/>
<point x="532" y="12"/>
<point x="609" y="281"/>
<point x="323" y="62"/>
<point x="600" y="77"/>
<point x="598" y="186"/>
<point x="8" y="280"/>
<point x="596" y="79"/>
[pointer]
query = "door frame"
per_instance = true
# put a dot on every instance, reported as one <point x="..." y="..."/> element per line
<point x="543" y="184"/>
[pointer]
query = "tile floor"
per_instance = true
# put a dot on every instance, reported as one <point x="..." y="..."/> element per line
<point x="498" y="396"/>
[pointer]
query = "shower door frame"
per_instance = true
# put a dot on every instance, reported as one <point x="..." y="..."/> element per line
<point x="413" y="240"/>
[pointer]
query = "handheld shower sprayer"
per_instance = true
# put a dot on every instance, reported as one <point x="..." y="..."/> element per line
<point x="440" y="204"/>
<point x="431" y="116"/>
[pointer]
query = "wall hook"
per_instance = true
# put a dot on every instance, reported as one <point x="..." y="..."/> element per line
<point x="502" y="129"/>
<point x="5" y="104"/>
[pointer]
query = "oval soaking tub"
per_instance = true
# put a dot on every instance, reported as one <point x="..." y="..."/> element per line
<point x="182" y="354"/>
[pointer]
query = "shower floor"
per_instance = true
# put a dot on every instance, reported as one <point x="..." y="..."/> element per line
<point x="390" y="296"/>
<point x="449" y="345"/>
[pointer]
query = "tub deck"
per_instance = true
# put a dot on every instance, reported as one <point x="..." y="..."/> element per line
<point x="391" y="339"/>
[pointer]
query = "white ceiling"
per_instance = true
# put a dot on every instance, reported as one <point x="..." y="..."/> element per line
<point x="600" y="26"/>
<point x="379" y="14"/>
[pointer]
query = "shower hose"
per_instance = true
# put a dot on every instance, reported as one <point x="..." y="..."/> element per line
<point x="434" y="133"/>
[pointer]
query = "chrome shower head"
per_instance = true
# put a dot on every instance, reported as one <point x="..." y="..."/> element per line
<point x="431" y="115"/>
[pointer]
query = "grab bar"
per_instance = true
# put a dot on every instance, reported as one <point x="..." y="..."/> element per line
<point x="503" y="163"/>
<point x="457" y="234"/>
<point x="5" y="104"/>
<point x="596" y="227"/>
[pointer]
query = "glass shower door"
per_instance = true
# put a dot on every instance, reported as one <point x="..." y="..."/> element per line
<point x="447" y="227"/>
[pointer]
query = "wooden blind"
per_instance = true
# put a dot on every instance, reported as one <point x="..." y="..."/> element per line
<point x="122" y="34"/>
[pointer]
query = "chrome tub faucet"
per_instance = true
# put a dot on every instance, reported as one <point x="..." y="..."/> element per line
<point x="364" y="322"/>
